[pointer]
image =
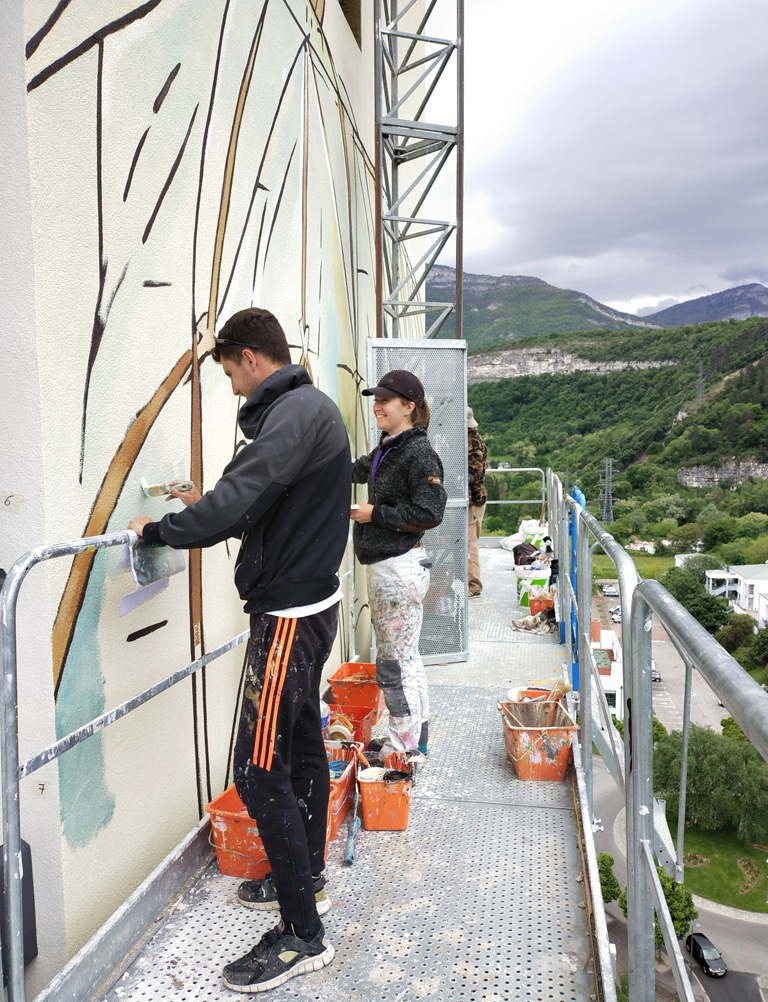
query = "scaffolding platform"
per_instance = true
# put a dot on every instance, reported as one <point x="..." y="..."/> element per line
<point x="479" y="900"/>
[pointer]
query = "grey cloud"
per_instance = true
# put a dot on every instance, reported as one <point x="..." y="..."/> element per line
<point x="643" y="172"/>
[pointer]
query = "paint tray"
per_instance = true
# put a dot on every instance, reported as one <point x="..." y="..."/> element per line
<point x="537" y="737"/>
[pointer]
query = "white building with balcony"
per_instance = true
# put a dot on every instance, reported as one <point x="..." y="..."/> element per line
<point x="745" y="587"/>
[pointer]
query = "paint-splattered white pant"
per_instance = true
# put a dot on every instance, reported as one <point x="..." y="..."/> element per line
<point x="396" y="588"/>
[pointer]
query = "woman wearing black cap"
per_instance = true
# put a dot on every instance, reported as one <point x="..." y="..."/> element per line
<point x="405" y="498"/>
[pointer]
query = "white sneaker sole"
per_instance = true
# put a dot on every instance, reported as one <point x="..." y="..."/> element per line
<point x="323" y="905"/>
<point x="306" y="966"/>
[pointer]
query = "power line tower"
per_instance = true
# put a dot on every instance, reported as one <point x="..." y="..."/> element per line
<point x="606" y="497"/>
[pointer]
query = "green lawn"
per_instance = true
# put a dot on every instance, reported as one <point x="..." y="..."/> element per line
<point x="720" y="878"/>
<point x="648" y="566"/>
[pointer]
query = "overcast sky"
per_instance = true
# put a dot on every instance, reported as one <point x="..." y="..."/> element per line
<point x="618" y="147"/>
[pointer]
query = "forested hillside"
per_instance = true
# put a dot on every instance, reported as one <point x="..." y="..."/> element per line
<point x="709" y="406"/>
<point x="573" y="421"/>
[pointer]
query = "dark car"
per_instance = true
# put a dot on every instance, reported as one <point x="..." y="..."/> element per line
<point x="707" y="955"/>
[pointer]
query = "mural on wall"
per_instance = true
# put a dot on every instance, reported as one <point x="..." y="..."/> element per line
<point x="193" y="164"/>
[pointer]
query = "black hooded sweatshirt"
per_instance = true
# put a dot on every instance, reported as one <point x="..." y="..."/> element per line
<point x="286" y="494"/>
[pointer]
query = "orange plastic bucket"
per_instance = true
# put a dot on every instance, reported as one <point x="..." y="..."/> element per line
<point x="235" y="835"/>
<point x="384" y="802"/>
<point x="538" y="605"/>
<point x="354" y="684"/>
<point x="537" y="737"/>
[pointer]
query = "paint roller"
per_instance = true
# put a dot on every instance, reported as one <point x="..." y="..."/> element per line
<point x="354" y="822"/>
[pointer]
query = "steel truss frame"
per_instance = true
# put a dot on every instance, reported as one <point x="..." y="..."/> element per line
<point x="409" y="68"/>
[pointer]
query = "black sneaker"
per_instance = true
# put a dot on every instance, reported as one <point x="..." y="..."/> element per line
<point x="276" y="958"/>
<point x="262" y="895"/>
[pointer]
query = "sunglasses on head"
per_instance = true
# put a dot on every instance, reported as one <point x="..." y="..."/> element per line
<point x="241" y="344"/>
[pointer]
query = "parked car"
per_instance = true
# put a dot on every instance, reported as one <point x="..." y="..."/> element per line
<point x="614" y="608"/>
<point x="616" y="616"/>
<point x="609" y="590"/>
<point x="703" y="950"/>
<point x="655" y="673"/>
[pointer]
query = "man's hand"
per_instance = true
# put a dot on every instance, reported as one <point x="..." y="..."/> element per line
<point x="361" y="513"/>
<point x="186" y="497"/>
<point x="138" y="523"/>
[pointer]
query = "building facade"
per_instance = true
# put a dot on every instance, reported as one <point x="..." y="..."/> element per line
<point x="163" y="168"/>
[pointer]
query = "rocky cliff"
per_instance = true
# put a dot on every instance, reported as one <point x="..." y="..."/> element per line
<point x="539" y="361"/>
<point x="710" y="476"/>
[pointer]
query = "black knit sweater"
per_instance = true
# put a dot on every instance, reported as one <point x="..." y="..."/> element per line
<point x="406" y="492"/>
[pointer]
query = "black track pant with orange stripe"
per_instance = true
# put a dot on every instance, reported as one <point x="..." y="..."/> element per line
<point x="280" y="764"/>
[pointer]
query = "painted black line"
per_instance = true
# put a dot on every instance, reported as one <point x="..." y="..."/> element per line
<point x="134" y="161"/>
<point x="154" y="283"/>
<point x="158" y="103"/>
<point x="258" y="244"/>
<point x="279" y="200"/>
<point x="138" y="634"/>
<point x="267" y="141"/>
<point x="88" y="43"/>
<point x="97" y="330"/>
<point x="201" y="172"/>
<point x="40" y="34"/>
<point x="169" y="179"/>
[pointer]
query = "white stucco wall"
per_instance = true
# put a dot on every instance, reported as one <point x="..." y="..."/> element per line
<point x="163" y="174"/>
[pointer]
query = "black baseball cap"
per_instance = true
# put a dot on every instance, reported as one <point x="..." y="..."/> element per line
<point x="398" y="383"/>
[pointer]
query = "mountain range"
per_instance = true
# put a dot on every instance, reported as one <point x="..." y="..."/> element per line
<point x="499" y="310"/>
<point x="738" y="304"/>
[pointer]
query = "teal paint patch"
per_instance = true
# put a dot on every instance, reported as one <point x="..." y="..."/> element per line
<point x="86" y="805"/>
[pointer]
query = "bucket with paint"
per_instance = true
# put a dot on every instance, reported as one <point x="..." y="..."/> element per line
<point x="354" y="684"/>
<point x="385" y="797"/>
<point x="537" y="737"/>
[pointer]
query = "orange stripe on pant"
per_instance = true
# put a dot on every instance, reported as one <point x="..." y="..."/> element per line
<point x="267" y="688"/>
<point x="281" y="679"/>
<point x="276" y="670"/>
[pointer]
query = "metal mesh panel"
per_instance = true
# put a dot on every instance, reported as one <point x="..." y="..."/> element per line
<point x="441" y="367"/>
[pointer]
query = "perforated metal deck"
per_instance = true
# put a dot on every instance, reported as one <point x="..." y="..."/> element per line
<point x="477" y="901"/>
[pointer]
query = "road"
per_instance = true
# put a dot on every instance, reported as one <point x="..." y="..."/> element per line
<point x="669" y="693"/>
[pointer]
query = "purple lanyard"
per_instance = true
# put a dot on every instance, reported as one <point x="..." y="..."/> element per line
<point x="377" y="460"/>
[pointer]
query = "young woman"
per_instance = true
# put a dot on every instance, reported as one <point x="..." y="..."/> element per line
<point x="405" y="498"/>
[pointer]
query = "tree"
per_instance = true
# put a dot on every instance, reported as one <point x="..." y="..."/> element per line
<point x="760" y="646"/>
<point x="720" y="530"/>
<point x="679" y="900"/>
<point x="658" y="730"/>
<point x="699" y="564"/>
<point x="711" y="612"/>
<point x="609" y="885"/>
<point x="737" y="632"/>
<point x="727" y="782"/>
<point x="732" y="731"/>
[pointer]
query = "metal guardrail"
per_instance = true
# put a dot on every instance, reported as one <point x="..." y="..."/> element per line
<point x="13" y="770"/>
<point x="522" y="469"/>
<point x="631" y="761"/>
